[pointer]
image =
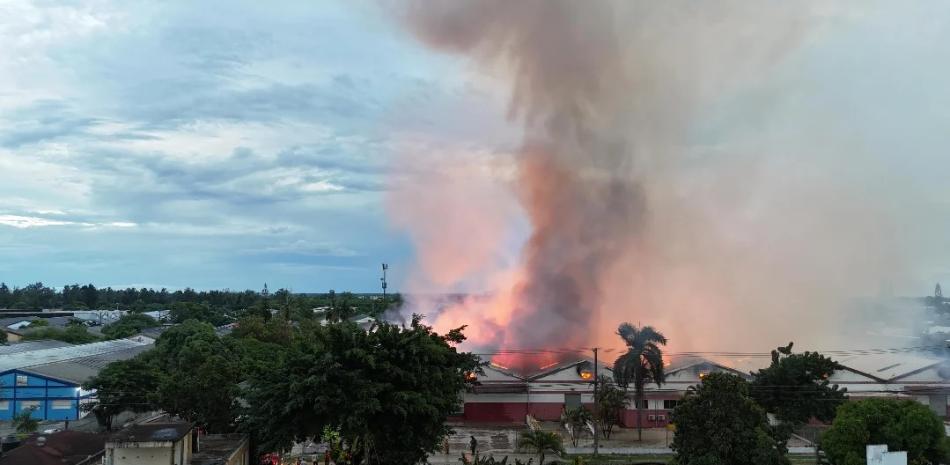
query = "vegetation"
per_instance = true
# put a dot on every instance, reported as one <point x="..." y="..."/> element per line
<point x="3" y="337"/>
<point x="795" y="387"/>
<point x="387" y="391"/>
<point x="75" y="297"/>
<point x="127" y="385"/>
<point x="540" y="443"/>
<point x="74" y="333"/>
<point x="641" y="364"/>
<point x="718" y="423"/>
<point x="128" y="325"/>
<point x="575" y="421"/>
<point x="191" y="373"/>
<point x="904" y="425"/>
<point x="24" y="423"/>
<point x="611" y="402"/>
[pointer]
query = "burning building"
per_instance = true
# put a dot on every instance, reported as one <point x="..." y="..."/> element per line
<point x="500" y="396"/>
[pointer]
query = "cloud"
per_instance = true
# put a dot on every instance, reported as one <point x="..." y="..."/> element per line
<point x="24" y="222"/>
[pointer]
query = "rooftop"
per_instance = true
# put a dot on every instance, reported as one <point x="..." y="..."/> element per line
<point x="215" y="449"/>
<point x="61" y="354"/>
<point x="19" y="347"/>
<point x="81" y="369"/>
<point x="62" y="448"/>
<point x="152" y="432"/>
<point x="889" y="366"/>
<point x="19" y="325"/>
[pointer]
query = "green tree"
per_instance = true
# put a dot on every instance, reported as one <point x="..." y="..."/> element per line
<point x="795" y="387"/>
<point x="125" y="385"/>
<point x="611" y="402"/>
<point x="387" y="391"/>
<point x="191" y="373"/>
<point x="24" y="423"/>
<point x="200" y="375"/>
<point x="3" y="337"/>
<point x="540" y="443"/>
<point x="904" y="425"/>
<point x="642" y="363"/>
<point x="575" y="422"/>
<point x="183" y="311"/>
<point x="73" y="334"/>
<point x="718" y="423"/>
<point x="341" y="306"/>
<point x="128" y="325"/>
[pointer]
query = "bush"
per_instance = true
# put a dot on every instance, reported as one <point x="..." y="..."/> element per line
<point x="904" y="425"/>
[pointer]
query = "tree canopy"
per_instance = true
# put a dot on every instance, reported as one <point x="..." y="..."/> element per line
<point x="125" y="385"/>
<point x="611" y="402"/>
<point x="128" y="325"/>
<point x="718" y="423"/>
<point x="387" y="391"/>
<point x="191" y="373"/>
<point x="38" y="296"/>
<point x="72" y="333"/>
<point x="541" y="442"/>
<point x="904" y="425"/>
<point x="641" y="363"/>
<point x="795" y="387"/>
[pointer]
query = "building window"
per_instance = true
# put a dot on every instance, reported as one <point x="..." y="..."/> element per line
<point x="29" y="404"/>
<point x="22" y="380"/>
<point x="640" y="404"/>
<point x="670" y="404"/>
<point x="4" y="405"/>
<point x="62" y="404"/>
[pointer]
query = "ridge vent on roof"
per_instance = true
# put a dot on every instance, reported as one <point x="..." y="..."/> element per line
<point x="888" y="367"/>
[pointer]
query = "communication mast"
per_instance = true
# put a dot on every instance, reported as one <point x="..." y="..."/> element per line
<point x="383" y="279"/>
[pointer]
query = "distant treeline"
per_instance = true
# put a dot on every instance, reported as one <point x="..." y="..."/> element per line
<point x="38" y="296"/>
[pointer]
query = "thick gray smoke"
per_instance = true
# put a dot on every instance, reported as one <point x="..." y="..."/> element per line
<point x="630" y="221"/>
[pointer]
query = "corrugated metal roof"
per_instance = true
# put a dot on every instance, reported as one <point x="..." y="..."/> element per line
<point x="31" y="345"/>
<point x="62" y="354"/>
<point x="889" y="366"/>
<point x="81" y="369"/>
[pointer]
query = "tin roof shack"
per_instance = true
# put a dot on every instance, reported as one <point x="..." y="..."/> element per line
<point x="221" y="449"/>
<point x="150" y="444"/>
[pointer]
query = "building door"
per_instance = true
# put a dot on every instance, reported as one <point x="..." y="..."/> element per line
<point x="572" y="400"/>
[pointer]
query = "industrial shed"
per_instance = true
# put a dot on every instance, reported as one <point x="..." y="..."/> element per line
<point x="48" y="380"/>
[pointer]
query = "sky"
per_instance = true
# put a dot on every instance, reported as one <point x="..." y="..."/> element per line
<point x="228" y="144"/>
<point x="223" y="146"/>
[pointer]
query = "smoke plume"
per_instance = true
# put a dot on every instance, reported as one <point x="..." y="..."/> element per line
<point x="632" y="216"/>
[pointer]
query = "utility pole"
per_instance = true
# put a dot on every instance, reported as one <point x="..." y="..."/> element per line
<point x="383" y="279"/>
<point x="596" y="406"/>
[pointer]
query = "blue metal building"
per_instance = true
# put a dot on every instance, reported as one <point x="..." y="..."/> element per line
<point x="46" y="377"/>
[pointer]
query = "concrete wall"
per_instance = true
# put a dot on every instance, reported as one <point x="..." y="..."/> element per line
<point x="141" y="456"/>
<point x="150" y="453"/>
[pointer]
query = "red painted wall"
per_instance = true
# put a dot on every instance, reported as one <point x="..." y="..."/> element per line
<point x="629" y="418"/>
<point x="514" y="412"/>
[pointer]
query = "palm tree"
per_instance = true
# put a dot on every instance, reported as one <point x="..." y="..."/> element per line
<point x="541" y="442"/>
<point x="642" y="363"/>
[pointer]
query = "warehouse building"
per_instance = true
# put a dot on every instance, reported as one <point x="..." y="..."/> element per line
<point x="46" y="377"/>
<point x="501" y="396"/>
